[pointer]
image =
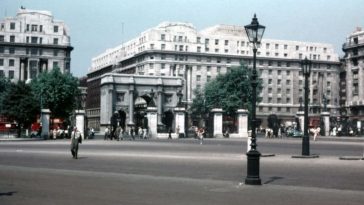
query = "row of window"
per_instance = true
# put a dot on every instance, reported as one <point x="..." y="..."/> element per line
<point x="32" y="27"/>
<point x="29" y="39"/>
<point x="28" y="51"/>
<point x="11" y="62"/>
<point x="10" y="73"/>
<point x="241" y="43"/>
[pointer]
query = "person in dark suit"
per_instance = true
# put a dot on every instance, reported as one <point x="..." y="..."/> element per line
<point x="76" y="138"/>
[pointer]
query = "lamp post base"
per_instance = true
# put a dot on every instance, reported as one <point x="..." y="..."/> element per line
<point x="253" y="177"/>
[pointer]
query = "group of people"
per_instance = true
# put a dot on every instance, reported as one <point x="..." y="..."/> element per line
<point x="199" y="133"/>
<point x="119" y="133"/>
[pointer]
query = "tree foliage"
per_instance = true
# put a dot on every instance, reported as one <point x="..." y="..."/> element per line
<point x="18" y="103"/>
<point x="57" y="91"/>
<point x="231" y="91"/>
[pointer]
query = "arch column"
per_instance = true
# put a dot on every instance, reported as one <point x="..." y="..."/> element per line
<point x="242" y="123"/>
<point x="152" y="121"/>
<point x="217" y="122"/>
<point x="180" y="121"/>
<point x="326" y="117"/>
<point x="131" y="101"/>
<point x="45" y="115"/>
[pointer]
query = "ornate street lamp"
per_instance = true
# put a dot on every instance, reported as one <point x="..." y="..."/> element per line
<point x="255" y="33"/>
<point x="306" y="71"/>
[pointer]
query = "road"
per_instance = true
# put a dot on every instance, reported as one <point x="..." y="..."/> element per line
<point x="178" y="172"/>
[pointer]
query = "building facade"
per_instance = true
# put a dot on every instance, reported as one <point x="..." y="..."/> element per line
<point x="33" y="42"/>
<point x="178" y="49"/>
<point x="353" y="62"/>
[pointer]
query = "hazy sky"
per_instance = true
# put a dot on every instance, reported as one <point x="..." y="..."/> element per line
<point x="96" y="25"/>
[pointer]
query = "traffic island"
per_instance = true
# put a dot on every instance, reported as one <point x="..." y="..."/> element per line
<point x="351" y="158"/>
<point x="268" y="155"/>
<point x="306" y="156"/>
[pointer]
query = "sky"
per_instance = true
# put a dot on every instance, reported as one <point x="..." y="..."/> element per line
<point x="96" y="25"/>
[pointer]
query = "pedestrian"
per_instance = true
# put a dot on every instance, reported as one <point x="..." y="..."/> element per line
<point x="140" y="132"/>
<point x="201" y="132"/>
<point x="177" y="130"/>
<point x="107" y="132"/>
<point x="76" y="138"/>
<point x="170" y="133"/>
<point x="121" y="134"/>
<point x="316" y="133"/>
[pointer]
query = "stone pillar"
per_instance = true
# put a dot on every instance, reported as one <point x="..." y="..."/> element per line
<point x="21" y="73"/>
<point x="80" y="122"/>
<point x="217" y="112"/>
<point x="152" y="121"/>
<point x="179" y="113"/>
<point x="242" y="123"/>
<point x="160" y="100"/>
<point x="45" y="123"/>
<point x="131" y="101"/>
<point x="326" y="117"/>
<point x="301" y="119"/>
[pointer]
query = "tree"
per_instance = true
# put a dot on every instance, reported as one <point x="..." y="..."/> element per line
<point x="4" y="85"/>
<point x="230" y="91"/>
<point x="19" y="104"/>
<point x="57" y="91"/>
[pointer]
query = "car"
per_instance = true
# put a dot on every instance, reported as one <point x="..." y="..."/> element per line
<point x="294" y="133"/>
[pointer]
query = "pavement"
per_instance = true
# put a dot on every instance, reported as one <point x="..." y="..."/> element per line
<point x="127" y="173"/>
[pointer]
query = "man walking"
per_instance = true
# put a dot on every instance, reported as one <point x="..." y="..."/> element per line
<point x="76" y="138"/>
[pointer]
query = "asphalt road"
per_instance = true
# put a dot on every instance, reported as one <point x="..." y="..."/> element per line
<point x="178" y="172"/>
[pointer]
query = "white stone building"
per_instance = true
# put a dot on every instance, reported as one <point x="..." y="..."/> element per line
<point x="33" y="42"/>
<point x="178" y="49"/>
<point x="354" y="64"/>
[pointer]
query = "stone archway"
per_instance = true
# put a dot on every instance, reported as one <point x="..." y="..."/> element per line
<point x="140" y="107"/>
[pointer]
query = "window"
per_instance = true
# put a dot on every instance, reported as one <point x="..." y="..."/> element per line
<point x="2" y="49"/>
<point x="218" y="60"/>
<point x="243" y="43"/>
<point x="163" y="56"/>
<point x="218" y="69"/>
<point x="198" y="39"/>
<point x="55" y="64"/>
<point x="1" y="62"/>
<point x="41" y="28"/>
<point x="270" y="63"/>
<point x="180" y="38"/>
<point x="2" y="73"/>
<point x="288" y="82"/>
<point x="198" y="68"/>
<point x="288" y="100"/>
<point x="216" y="41"/>
<point x="55" y="29"/>
<point x="55" y="52"/>
<point x="163" y="46"/>
<point x="288" y="72"/>
<point x="279" y="72"/>
<point x="163" y="37"/>
<point x="226" y="42"/>
<point x="285" y="47"/>
<point x="12" y="39"/>
<point x="198" y="49"/>
<point x="267" y="46"/>
<point x="269" y="81"/>
<point x="208" y="59"/>
<point x="216" y="50"/>
<point x="11" y="62"/>
<point x="2" y="38"/>
<point x="28" y="27"/>
<point x="297" y="48"/>
<point x="12" y="26"/>
<point x="207" y="41"/>
<point x="198" y="78"/>
<point x="120" y="97"/>
<point x="34" y="27"/>
<point x="208" y="68"/>
<point x="279" y="81"/>
<point x="11" y="74"/>
<point x="55" y="41"/>
<point x="34" y="40"/>
<point x="277" y="46"/>
<point x="11" y="50"/>
<point x="270" y="72"/>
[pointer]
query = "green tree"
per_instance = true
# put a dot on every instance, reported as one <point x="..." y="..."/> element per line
<point x="4" y="85"/>
<point x="57" y="91"/>
<point x="231" y="91"/>
<point x="198" y="107"/>
<point x="18" y="103"/>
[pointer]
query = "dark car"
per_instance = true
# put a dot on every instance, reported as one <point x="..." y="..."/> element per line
<point x="294" y="133"/>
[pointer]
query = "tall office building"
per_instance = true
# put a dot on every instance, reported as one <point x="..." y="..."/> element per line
<point x="178" y="49"/>
<point x="33" y="42"/>
<point x="353" y="63"/>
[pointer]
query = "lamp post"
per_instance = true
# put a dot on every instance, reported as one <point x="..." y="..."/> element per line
<point x="306" y="70"/>
<point x="255" y="33"/>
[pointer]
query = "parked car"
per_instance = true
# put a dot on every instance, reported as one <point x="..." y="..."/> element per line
<point x="294" y="133"/>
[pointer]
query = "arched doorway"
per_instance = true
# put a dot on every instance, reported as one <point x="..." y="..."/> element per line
<point x="167" y="120"/>
<point x="140" y="107"/>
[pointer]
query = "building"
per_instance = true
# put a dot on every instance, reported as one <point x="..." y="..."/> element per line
<point x="179" y="50"/>
<point x="353" y="62"/>
<point x="33" y="42"/>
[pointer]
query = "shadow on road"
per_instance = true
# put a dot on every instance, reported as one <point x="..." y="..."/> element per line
<point x="10" y="193"/>
<point x="272" y="179"/>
